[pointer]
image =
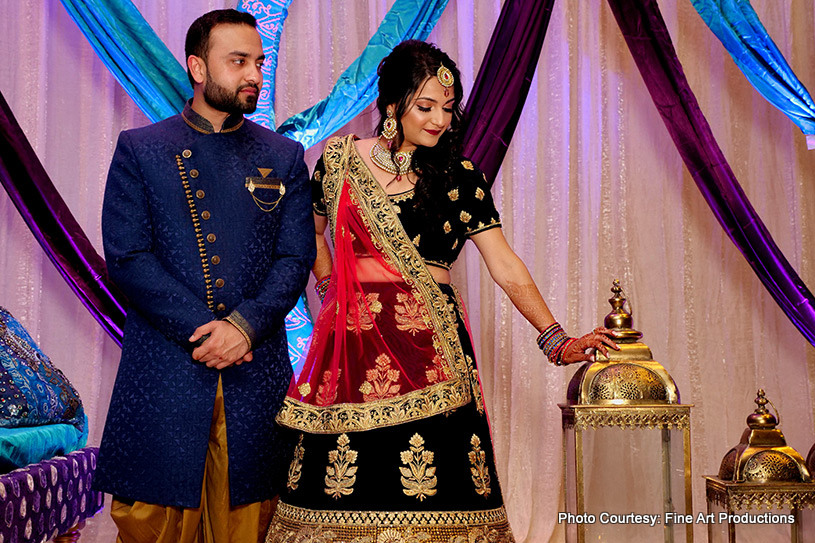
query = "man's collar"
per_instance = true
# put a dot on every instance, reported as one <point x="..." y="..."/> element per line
<point x="201" y="124"/>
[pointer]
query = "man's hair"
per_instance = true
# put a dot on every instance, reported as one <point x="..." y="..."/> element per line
<point x="197" y="42"/>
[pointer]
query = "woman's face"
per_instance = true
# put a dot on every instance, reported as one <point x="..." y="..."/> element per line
<point x="428" y="115"/>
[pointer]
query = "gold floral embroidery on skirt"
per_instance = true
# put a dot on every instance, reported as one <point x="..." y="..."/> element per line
<point x="382" y="381"/>
<point x="410" y="315"/>
<point x="437" y="372"/>
<point x="361" y="316"/>
<point x="296" y="467"/>
<point x="479" y="470"/>
<point x="419" y="478"/>
<point x="341" y="474"/>
<point x="327" y="392"/>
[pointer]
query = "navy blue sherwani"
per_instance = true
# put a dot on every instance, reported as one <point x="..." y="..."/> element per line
<point x="187" y="241"/>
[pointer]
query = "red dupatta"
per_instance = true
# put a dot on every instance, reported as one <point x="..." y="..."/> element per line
<point x="385" y="348"/>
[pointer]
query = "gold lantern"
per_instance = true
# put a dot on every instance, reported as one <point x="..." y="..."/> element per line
<point x="762" y="471"/>
<point x="626" y="390"/>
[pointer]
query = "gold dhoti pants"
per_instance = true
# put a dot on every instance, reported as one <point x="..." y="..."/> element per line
<point x="214" y="521"/>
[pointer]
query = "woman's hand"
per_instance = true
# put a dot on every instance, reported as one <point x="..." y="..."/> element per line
<point x="599" y="339"/>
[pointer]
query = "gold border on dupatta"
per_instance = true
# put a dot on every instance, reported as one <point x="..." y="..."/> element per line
<point x="387" y="235"/>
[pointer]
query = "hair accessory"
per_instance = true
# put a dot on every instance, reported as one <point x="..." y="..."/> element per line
<point x="321" y="287"/>
<point x="445" y="77"/>
<point x="397" y="163"/>
<point x="389" y="126"/>
<point x="553" y="341"/>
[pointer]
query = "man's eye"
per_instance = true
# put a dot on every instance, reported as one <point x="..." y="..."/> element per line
<point x="238" y="61"/>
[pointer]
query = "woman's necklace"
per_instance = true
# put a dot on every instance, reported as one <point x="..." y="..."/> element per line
<point x="398" y="164"/>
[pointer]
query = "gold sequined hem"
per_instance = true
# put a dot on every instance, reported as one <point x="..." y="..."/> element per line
<point x="295" y="524"/>
<point x="348" y="417"/>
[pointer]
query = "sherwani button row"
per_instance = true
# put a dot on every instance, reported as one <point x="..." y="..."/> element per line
<point x="221" y="307"/>
<point x="219" y="282"/>
<point x="186" y="153"/>
<point x="200" y="194"/>
<point x="205" y="215"/>
<point x="211" y="238"/>
<point x="193" y="173"/>
<point x="216" y="259"/>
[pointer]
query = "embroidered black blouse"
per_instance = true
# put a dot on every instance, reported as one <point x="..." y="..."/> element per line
<point x="469" y="210"/>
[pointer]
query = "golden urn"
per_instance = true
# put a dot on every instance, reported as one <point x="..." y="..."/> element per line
<point x="629" y="376"/>
<point x="763" y="456"/>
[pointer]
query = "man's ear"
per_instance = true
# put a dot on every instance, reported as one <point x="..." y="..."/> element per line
<point x="198" y="68"/>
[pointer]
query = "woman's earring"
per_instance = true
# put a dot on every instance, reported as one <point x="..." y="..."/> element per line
<point x="389" y="127"/>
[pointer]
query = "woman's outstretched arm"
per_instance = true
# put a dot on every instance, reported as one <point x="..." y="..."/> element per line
<point x="512" y="275"/>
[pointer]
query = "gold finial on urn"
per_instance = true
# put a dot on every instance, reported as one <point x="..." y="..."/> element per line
<point x="626" y="377"/>
<point x="762" y="455"/>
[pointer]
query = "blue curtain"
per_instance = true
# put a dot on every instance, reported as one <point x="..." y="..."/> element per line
<point x="738" y="27"/>
<point x="134" y="54"/>
<point x="357" y="86"/>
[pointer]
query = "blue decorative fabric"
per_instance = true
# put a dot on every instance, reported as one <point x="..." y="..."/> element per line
<point x="738" y="27"/>
<point x="270" y="15"/>
<point x="134" y="54"/>
<point x="357" y="86"/>
<point x="29" y="445"/>
<point x="32" y="391"/>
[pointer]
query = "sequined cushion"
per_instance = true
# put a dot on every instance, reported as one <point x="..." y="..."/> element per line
<point x="32" y="391"/>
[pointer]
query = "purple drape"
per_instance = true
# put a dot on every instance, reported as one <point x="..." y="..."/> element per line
<point x="503" y="81"/>
<point x="647" y="37"/>
<point x="55" y="228"/>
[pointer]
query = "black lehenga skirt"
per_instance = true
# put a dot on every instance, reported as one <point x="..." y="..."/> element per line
<point x="431" y="480"/>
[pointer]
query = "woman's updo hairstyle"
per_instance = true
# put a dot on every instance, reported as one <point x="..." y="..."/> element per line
<point x="401" y="74"/>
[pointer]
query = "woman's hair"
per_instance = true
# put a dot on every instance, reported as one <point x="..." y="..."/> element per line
<point x="401" y="74"/>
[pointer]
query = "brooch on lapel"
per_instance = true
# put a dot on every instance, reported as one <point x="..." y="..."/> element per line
<point x="264" y="182"/>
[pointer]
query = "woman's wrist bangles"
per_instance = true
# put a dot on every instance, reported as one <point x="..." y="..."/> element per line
<point x="321" y="287"/>
<point x="553" y="341"/>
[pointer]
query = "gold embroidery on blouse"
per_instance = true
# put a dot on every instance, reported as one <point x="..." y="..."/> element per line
<point x="304" y="389"/>
<point x="317" y="175"/>
<point x="453" y="195"/>
<point x="296" y="467"/>
<point x="419" y="478"/>
<point x="447" y="227"/>
<point x="467" y="164"/>
<point x="382" y="381"/>
<point x="465" y="217"/>
<point x="397" y="208"/>
<point x="417" y="240"/>
<point x="455" y="244"/>
<point x="410" y="316"/>
<point x="402" y="196"/>
<point x="479" y="193"/>
<point x="479" y="470"/>
<point x="481" y="226"/>
<point x="341" y="474"/>
<point x="362" y="315"/>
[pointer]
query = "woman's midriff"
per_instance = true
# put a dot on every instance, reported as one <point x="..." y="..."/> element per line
<point x="371" y="271"/>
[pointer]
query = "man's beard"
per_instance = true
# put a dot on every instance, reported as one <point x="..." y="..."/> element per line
<point x="220" y="98"/>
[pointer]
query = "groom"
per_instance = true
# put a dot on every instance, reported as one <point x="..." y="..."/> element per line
<point x="208" y="230"/>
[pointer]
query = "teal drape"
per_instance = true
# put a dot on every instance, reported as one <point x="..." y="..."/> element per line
<point x="134" y="54"/>
<point x="357" y="86"/>
<point x="739" y="29"/>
